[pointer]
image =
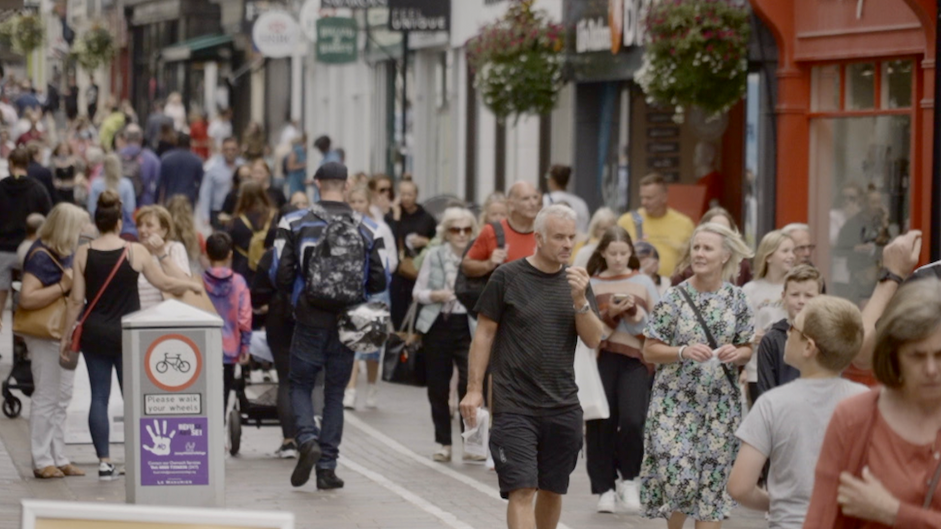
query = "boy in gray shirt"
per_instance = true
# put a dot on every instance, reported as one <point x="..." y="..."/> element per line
<point x="787" y="424"/>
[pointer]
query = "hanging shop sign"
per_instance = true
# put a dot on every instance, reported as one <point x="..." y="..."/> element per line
<point x="354" y="4"/>
<point x="276" y="34"/>
<point x="310" y="14"/>
<point x="336" y="40"/>
<point x="419" y="15"/>
<point x="621" y="26"/>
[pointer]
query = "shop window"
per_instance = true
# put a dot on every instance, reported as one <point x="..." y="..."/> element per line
<point x="860" y="177"/>
<point x="825" y="88"/>
<point x="860" y="86"/>
<point x="896" y="86"/>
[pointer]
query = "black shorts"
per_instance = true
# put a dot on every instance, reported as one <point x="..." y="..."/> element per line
<point x="536" y="452"/>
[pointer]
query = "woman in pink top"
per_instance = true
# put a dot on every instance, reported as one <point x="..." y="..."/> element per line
<point x="881" y="457"/>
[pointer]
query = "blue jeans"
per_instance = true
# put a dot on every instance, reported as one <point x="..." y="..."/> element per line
<point x="99" y="378"/>
<point x="312" y="350"/>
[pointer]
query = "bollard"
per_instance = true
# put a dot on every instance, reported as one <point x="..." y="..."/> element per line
<point x="173" y="407"/>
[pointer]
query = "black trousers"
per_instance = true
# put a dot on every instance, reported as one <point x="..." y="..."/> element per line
<point x="400" y="292"/>
<point x="280" y="330"/>
<point x="228" y="383"/>
<point x="445" y="345"/>
<point x="616" y="444"/>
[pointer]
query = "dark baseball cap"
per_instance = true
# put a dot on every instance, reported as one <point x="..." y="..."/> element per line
<point x="645" y="249"/>
<point x="331" y="171"/>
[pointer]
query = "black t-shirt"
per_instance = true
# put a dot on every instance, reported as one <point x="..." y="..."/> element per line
<point x="533" y="355"/>
<point x="420" y="222"/>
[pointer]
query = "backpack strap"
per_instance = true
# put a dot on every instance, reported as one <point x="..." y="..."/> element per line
<point x="498" y="230"/>
<point x="638" y="224"/>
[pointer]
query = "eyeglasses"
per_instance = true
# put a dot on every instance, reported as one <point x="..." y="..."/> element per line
<point x="807" y="248"/>
<point x="454" y="230"/>
<point x="793" y="327"/>
<point x="383" y="189"/>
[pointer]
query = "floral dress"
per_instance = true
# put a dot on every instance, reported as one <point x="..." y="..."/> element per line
<point x="694" y="410"/>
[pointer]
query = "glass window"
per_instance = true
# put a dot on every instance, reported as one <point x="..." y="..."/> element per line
<point x="897" y="84"/>
<point x="825" y="88"/>
<point x="860" y="174"/>
<point x="860" y="86"/>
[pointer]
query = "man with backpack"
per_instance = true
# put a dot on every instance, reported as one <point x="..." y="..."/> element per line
<point x="140" y="165"/>
<point x="328" y="261"/>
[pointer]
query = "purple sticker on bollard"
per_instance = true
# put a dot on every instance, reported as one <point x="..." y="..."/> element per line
<point x="174" y="451"/>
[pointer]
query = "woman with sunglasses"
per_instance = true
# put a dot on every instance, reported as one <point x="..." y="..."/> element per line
<point x="383" y="196"/>
<point x="444" y="321"/>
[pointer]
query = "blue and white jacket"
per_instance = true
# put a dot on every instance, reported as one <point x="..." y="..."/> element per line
<point x="298" y="234"/>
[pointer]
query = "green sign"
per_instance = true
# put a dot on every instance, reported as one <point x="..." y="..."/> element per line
<point x="336" y="40"/>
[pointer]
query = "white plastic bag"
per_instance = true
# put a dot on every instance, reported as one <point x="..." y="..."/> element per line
<point x="590" y="389"/>
<point x="477" y="439"/>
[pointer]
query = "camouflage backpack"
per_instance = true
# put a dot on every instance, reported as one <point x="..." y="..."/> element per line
<point x="336" y="270"/>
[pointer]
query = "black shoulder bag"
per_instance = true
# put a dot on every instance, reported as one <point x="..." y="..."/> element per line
<point x="712" y="341"/>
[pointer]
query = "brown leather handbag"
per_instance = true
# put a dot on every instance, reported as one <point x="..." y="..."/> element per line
<point x="47" y="322"/>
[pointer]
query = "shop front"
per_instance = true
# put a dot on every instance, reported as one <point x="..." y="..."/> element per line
<point x="854" y="132"/>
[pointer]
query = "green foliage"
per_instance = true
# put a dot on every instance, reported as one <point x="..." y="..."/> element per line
<point x="94" y="48"/>
<point x="518" y="62"/>
<point x="696" y="54"/>
<point x="22" y="32"/>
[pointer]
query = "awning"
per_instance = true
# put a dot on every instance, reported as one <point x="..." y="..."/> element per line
<point x="203" y="48"/>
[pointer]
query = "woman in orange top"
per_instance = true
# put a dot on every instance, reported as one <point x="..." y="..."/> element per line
<point x="881" y="457"/>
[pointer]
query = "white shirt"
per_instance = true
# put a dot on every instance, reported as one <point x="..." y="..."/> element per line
<point x="576" y="203"/>
<point x="149" y="295"/>
<point x="219" y="130"/>
<point x="766" y="301"/>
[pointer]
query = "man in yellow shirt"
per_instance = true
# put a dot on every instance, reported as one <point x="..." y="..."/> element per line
<point x="665" y="228"/>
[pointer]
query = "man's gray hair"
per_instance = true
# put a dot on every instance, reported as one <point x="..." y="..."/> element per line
<point x="557" y="211"/>
<point x="133" y="134"/>
<point x="794" y="226"/>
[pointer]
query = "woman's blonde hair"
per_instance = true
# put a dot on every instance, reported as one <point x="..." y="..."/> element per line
<point x="769" y="244"/>
<point x="493" y="198"/>
<point x="913" y="315"/>
<point x="161" y="214"/>
<point x="452" y="215"/>
<point x="112" y="172"/>
<point x="602" y="216"/>
<point x="359" y="190"/>
<point x="184" y="227"/>
<point x="62" y="227"/>
<point x="731" y="243"/>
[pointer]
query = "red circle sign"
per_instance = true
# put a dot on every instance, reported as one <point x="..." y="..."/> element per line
<point x="173" y="362"/>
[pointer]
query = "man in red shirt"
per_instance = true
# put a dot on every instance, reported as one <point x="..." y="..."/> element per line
<point x="523" y="201"/>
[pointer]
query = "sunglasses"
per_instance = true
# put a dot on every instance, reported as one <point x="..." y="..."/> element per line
<point x="456" y="231"/>
<point x="383" y="189"/>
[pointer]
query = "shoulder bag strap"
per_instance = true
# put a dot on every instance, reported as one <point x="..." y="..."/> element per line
<point x="104" y="286"/>
<point x="47" y="252"/>
<point x="709" y="336"/>
<point x="498" y="231"/>
<point x="638" y="224"/>
<point x="932" y="486"/>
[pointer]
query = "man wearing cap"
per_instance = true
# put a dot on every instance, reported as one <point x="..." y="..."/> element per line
<point x="316" y="344"/>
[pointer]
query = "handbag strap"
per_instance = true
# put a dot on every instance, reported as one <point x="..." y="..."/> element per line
<point x="709" y="336"/>
<point x="932" y="486"/>
<point x="104" y="286"/>
<point x="47" y="252"/>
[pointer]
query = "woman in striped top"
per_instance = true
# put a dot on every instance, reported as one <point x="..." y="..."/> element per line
<point x="625" y="296"/>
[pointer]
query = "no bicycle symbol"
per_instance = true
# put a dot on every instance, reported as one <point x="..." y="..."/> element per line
<point x="173" y="362"/>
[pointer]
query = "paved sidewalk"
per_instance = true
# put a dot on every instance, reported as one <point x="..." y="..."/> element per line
<point x="391" y="482"/>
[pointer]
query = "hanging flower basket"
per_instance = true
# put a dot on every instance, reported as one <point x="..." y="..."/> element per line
<point x="518" y="62"/>
<point x="23" y="33"/>
<point x="95" y="48"/>
<point x="696" y="54"/>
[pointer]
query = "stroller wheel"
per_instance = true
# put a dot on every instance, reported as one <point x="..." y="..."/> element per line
<point x="12" y="407"/>
<point x="235" y="431"/>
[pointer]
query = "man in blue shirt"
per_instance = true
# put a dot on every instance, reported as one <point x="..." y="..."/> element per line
<point x="217" y="182"/>
<point x="134" y="157"/>
<point x="181" y="173"/>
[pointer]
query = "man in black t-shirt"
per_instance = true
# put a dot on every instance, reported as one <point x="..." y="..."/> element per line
<point x="531" y="313"/>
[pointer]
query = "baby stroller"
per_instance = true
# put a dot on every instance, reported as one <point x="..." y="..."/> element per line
<point x="256" y="397"/>
<point x="21" y="376"/>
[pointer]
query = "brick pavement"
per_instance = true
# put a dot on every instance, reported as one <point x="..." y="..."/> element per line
<point x="390" y="482"/>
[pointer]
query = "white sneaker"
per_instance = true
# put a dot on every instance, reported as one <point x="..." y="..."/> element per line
<point x="106" y="471"/>
<point x="629" y="496"/>
<point x="349" y="399"/>
<point x="442" y="455"/>
<point x="607" y="502"/>
<point x="371" y="395"/>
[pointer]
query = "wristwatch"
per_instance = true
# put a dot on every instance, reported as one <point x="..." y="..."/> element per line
<point x="584" y="310"/>
<point x="886" y="275"/>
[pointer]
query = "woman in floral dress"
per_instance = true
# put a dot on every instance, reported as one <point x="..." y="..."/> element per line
<point x="695" y="403"/>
